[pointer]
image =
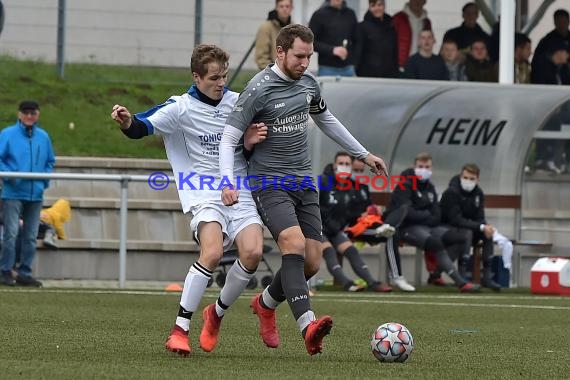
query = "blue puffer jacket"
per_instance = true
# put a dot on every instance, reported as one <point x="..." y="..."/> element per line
<point x="23" y="152"/>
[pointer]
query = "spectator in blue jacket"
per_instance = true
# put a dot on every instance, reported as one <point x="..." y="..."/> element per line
<point x="24" y="147"/>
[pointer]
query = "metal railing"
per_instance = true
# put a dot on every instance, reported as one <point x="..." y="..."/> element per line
<point x="123" y="179"/>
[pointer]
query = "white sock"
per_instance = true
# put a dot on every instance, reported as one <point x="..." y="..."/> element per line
<point x="194" y="287"/>
<point x="305" y="320"/>
<point x="269" y="301"/>
<point x="236" y="280"/>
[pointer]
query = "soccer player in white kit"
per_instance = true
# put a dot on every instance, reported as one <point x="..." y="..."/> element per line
<point x="192" y="125"/>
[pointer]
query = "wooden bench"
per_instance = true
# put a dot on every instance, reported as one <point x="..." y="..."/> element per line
<point x="492" y="201"/>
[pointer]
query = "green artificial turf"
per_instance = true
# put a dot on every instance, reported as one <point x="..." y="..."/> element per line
<point x="68" y="334"/>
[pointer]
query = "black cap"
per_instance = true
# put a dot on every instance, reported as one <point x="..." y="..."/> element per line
<point x="29" y="105"/>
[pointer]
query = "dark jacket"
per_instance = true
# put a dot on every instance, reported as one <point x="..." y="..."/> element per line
<point x="420" y="67"/>
<point x="340" y="208"/>
<point x="465" y="36"/>
<point x="378" y="48"/>
<point x="462" y="209"/>
<point x="481" y="71"/>
<point x="331" y="26"/>
<point x="544" y="71"/>
<point x="422" y="204"/>
<point x="544" y="47"/>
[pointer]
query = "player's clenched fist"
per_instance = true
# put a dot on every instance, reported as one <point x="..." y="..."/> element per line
<point x="122" y="116"/>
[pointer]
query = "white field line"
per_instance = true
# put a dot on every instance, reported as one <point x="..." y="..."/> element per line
<point x="354" y="298"/>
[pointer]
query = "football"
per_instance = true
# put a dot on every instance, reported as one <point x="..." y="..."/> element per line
<point x="392" y="342"/>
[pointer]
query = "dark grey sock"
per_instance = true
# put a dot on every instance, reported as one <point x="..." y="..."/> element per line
<point x="358" y="266"/>
<point x="334" y="267"/>
<point x="276" y="288"/>
<point x="445" y="264"/>
<point x="294" y="284"/>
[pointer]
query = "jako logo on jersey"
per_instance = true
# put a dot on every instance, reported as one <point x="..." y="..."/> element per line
<point x="279" y="105"/>
<point x="298" y="298"/>
<point x="218" y="114"/>
<point x="210" y="138"/>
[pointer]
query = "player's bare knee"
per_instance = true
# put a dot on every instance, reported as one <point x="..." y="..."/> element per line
<point x="292" y="241"/>
<point x="211" y="256"/>
<point x="250" y="257"/>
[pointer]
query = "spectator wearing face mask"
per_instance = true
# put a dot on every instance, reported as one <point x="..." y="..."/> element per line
<point x="422" y="225"/>
<point x="463" y="206"/>
<point x="340" y="203"/>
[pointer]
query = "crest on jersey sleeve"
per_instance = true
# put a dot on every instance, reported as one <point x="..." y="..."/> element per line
<point x="309" y="97"/>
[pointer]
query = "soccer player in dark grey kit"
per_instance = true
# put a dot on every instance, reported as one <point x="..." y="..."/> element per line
<point x="281" y="98"/>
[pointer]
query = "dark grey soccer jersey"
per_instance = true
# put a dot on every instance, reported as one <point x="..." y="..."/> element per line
<point x="284" y="106"/>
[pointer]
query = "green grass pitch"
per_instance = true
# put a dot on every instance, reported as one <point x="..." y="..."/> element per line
<point x="94" y="334"/>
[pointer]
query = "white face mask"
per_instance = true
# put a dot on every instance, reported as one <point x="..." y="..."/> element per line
<point x="468" y="185"/>
<point x="343" y="169"/>
<point x="423" y="173"/>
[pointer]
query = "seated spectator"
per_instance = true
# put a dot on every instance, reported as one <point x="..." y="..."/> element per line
<point x="378" y="48"/>
<point x="422" y="227"/>
<point x="463" y="206"/>
<point x="338" y="208"/>
<point x="478" y="65"/>
<point x="424" y="64"/>
<point x="409" y="22"/>
<point x="279" y="17"/>
<point x="453" y="61"/>
<point x="335" y="27"/>
<point x="553" y="67"/>
<point x="522" y="54"/>
<point x="52" y="220"/>
<point x="390" y="222"/>
<point x="469" y="31"/>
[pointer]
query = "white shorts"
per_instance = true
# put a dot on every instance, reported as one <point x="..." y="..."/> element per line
<point x="233" y="219"/>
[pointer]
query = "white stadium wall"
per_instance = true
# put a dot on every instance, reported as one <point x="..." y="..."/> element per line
<point x="153" y="33"/>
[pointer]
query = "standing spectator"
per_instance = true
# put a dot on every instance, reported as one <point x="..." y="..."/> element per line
<point x="469" y="30"/>
<point x="336" y="31"/>
<point x="560" y="35"/>
<point x="24" y="147"/>
<point x="378" y="44"/>
<point x="523" y="51"/>
<point x="424" y="64"/>
<point x="409" y="23"/>
<point x="552" y="67"/>
<point x="453" y="61"/>
<point x="267" y="33"/>
<point x="478" y="65"/>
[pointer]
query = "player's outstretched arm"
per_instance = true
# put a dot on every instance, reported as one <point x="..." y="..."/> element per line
<point x="377" y="165"/>
<point x="130" y="126"/>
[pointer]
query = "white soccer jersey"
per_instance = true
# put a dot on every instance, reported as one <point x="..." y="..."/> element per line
<point x="192" y="131"/>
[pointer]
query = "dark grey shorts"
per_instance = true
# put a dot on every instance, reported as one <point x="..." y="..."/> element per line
<point x="280" y="209"/>
<point x="336" y="239"/>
